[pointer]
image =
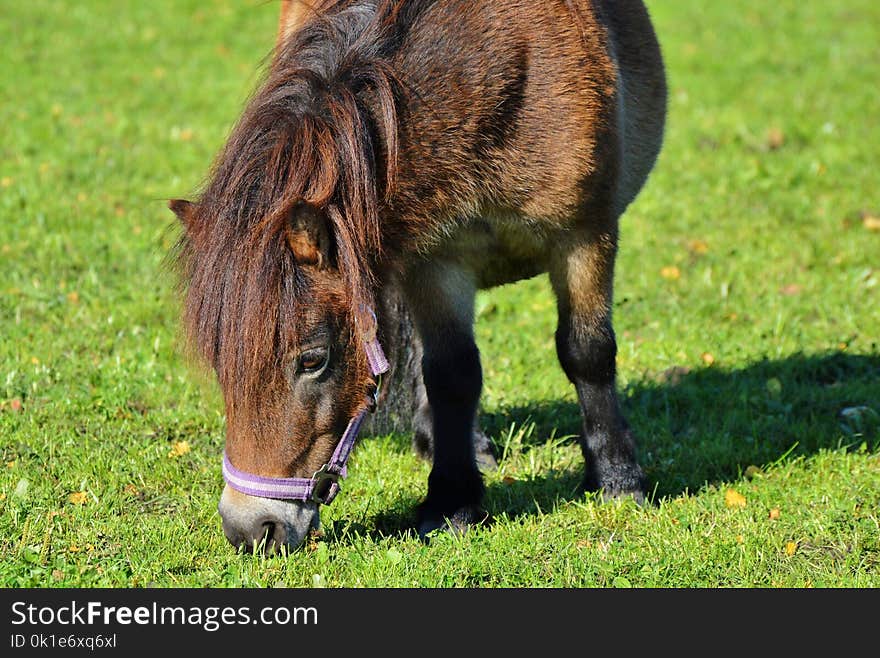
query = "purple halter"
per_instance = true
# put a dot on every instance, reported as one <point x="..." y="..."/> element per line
<point x="323" y="486"/>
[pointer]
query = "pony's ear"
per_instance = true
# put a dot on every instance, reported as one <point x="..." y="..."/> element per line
<point x="185" y="211"/>
<point x="308" y="236"/>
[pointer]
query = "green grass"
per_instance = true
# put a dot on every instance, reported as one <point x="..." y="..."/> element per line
<point x="109" y="108"/>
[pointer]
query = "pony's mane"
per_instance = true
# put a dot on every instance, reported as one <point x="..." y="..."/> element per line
<point x="321" y="129"/>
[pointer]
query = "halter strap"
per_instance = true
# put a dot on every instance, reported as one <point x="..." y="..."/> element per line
<point x="323" y="486"/>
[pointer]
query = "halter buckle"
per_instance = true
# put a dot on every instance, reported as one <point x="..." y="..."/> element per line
<point x="323" y="479"/>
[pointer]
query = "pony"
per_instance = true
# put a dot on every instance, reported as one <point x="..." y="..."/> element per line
<point x="438" y="147"/>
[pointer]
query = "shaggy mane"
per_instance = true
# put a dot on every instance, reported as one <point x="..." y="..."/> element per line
<point x="321" y="129"/>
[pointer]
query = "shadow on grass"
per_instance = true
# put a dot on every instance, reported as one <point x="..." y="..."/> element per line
<point x="697" y="427"/>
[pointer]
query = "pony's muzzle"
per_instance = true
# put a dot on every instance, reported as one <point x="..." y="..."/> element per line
<point x="265" y="523"/>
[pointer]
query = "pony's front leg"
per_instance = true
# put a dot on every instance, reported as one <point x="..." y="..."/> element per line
<point x="423" y="433"/>
<point x="441" y="299"/>
<point x="582" y="278"/>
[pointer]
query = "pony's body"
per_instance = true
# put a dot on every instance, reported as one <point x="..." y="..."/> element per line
<point x="552" y="78"/>
<point x="476" y="144"/>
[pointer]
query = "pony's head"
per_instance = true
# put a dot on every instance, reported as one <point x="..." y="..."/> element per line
<point x="289" y="341"/>
<point x="278" y="258"/>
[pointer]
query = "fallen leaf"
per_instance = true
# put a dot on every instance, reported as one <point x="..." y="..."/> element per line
<point x="790" y="548"/>
<point x="707" y="358"/>
<point x="753" y="471"/>
<point x="775" y="138"/>
<point x="78" y="498"/>
<point x="178" y="449"/>
<point x="15" y="405"/>
<point x="73" y="548"/>
<point x="734" y="499"/>
<point x="791" y="289"/>
<point x="871" y="222"/>
<point x="698" y="247"/>
<point x="132" y="490"/>
<point x="670" y="272"/>
<point x="774" y="514"/>
<point x="73" y="297"/>
<point x="508" y="480"/>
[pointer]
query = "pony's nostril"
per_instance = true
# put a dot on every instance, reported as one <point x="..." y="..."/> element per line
<point x="272" y="534"/>
<point x="268" y="532"/>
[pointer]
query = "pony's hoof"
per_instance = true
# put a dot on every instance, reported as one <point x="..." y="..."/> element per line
<point x="624" y="483"/>
<point x="457" y="524"/>
<point x="637" y="495"/>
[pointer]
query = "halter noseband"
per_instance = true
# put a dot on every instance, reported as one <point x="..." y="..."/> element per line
<point x="323" y="486"/>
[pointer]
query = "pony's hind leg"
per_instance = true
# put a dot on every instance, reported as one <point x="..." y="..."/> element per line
<point x="441" y="299"/>
<point x="582" y="278"/>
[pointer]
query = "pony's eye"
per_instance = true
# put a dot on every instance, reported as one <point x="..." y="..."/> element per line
<point x="312" y="360"/>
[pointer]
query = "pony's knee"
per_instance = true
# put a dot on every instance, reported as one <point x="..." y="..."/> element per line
<point x="453" y="375"/>
<point x="587" y="355"/>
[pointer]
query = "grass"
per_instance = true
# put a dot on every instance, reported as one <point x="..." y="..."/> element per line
<point x="747" y="311"/>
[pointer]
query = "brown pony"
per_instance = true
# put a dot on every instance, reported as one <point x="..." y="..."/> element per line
<point x="440" y="147"/>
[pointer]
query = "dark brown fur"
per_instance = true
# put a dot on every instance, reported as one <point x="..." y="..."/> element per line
<point x="429" y="141"/>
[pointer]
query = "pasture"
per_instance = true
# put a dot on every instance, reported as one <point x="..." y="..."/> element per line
<point x="747" y="308"/>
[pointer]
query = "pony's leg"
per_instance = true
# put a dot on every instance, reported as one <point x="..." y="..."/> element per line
<point x="582" y="278"/>
<point x="404" y="405"/>
<point x="423" y="434"/>
<point x="441" y="300"/>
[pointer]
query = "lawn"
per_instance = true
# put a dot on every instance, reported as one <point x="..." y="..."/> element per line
<point x="747" y="309"/>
